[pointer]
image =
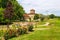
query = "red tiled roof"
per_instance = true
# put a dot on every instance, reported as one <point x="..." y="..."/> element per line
<point x="26" y="16"/>
<point x="31" y="13"/>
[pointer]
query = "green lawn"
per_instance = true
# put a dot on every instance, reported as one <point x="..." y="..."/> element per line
<point x="50" y="34"/>
<point x="40" y="35"/>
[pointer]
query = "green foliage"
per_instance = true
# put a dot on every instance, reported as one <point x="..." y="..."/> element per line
<point x="36" y="16"/>
<point x="14" y="33"/>
<point x="42" y="18"/>
<point x="1" y="14"/>
<point x="52" y="16"/>
<point x="1" y="33"/>
<point x="9" y="34"/>
<point x="19" y="31"/>
<point x="17" y="8"/>
<point x="24" y="30"/>
<point x="57" y="17"/>
<point x="2" y="19"/>
<point x="3" y="3"/>
<point x="30" y="28"/>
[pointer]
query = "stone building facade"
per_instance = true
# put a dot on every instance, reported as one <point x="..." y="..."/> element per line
<point x="29" y="16"/>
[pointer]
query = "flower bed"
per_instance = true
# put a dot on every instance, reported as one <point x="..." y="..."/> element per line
<point x="10" y="33"/>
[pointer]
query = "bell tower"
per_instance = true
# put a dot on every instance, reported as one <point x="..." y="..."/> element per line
<point x="32" y="11"/>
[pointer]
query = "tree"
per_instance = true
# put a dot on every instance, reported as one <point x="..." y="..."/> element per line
<point x="42" y="18"/>
<point x="3" y="3"/>
<point x="57" y="17"/>
<point x="8" y="13"/>
<point x="2" y="19"/>
<point x="36" y="16"/>
<point x="52" y="16"/>
<point x="18" y="10"/>
<point x="1" y="15"/>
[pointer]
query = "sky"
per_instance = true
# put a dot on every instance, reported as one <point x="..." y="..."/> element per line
<point x="41" y="6"/>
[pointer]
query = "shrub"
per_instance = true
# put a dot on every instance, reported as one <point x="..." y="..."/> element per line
<point x="1" y="33"/>
<point x="19" y="31"/>
<point x="24" y="30"/>
<point x="42" y="18"/>
<point x="9" y="34"/>
<point x="16" y="32"/>
<point x="30" y="28"/>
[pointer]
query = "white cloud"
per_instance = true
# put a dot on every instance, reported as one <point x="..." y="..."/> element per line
<point x="40" y="5"/>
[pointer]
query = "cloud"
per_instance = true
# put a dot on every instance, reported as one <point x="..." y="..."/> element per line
<point x="40" y="5"/>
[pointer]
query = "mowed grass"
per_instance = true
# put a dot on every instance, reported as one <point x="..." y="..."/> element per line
<point x="39" y="35"/>
<point x="51" y="34"/>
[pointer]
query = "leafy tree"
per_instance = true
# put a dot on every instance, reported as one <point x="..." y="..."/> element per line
<point x="3" y="3"/>
<point x="8" y="13"/>
<point x="36" y="16"/>
<point x="52" y="16"/>
<point x="18" y="10"/>
<point x="2" y="19"/>
<point x="1" y="15"/>
<point x="57" y="17"/>
<point x="42" y="18"/>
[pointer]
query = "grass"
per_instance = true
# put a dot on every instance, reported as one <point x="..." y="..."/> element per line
<point x="39" y="35"/>
<point x="51" y="34"/>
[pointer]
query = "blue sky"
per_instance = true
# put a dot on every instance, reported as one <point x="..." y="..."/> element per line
<point x="41" y="6"/>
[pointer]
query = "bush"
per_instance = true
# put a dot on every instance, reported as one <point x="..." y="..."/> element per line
<point x="24" y="30"/>
<point x="1" y="33"/>
<point x="42" y="18"/>
<point x="19" y="31"/>
<point x="30" y="28"/>
<point x="16" y="32"/>
<point x="9" y="34"/>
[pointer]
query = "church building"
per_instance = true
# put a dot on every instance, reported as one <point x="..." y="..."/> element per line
<point x="29" y="16"/>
